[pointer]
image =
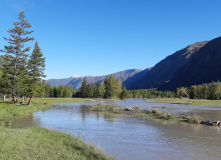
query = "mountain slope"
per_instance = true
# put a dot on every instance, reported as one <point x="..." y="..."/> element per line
<point x="122" y="75"/>
<point x="164" y="71"/>
<point x="76" y="81"/>
<point x="130" y="81"/>
<point x="63" y="81"/>
<point x="204" y="67"/>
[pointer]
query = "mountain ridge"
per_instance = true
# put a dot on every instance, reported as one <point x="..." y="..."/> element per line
<point x="76" y="81"/>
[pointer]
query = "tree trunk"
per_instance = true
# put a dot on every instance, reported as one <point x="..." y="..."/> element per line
<point x="29" y="102"/>
<point x="14" y="99"/>
<point x="23" y="98"/>
<point x="4" y="97"/>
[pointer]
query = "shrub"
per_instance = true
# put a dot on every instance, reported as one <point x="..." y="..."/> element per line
<point x="137" y="108"/>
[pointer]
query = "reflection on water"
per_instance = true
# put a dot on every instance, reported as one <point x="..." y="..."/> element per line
<point x="109" y="117"/>
<point x="25" y="121"/>
<point x="132" y="138"/>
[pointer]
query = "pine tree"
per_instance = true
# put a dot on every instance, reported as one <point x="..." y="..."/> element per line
<point x="55" y="92"/>
<point x="110" y="87"/>
<point x="94" y="88"/>
<point x="97" y="92"/>
<point x="69" y="91"/>
<point x="83" y="89"/>
<point x="5" y="86"/>
<point x="102" y="90"/>
<point x="51" y="92"/>
<point x="113" y="86"/>
<point x="89" y="91"/>
<point x="118" y="87"/>
<point x="36" y="67"/>
<point x="124" y="93"/>
<point x="18" y="51"/>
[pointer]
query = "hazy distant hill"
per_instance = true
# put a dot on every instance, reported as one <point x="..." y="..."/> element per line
<point x="76" y="81"/>
<point x="62" y="81"/>
<point x="203" y="67"/>
<point x="165" y="70"/>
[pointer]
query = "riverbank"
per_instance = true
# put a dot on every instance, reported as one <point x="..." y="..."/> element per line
<point x="41" y="143"/>
<point x="8" y="109"/>
<point x="185" y="101"/>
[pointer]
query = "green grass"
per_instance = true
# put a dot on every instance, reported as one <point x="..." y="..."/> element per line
<point x="137" y="112"/>
<point x="185" y="101"/>
<point x="67" y="100"/>
<point x="40" y="143"/>
<point x="105" y="107"/>
<point x="9" y="110"/>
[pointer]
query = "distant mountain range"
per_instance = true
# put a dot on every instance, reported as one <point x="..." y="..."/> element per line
<point x="195" y="64"/>
<point x="76" y="81"/>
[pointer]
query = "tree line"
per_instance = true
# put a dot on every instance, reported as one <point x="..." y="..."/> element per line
<point x="22" y="72"/>
<point x="45" y="90"/>
<point x="151" y="93"/>
<point x="110" y="88"/>
<point x="211" y="91"/>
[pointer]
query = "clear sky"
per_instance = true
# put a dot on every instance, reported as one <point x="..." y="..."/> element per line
<point x="99" y="37"/>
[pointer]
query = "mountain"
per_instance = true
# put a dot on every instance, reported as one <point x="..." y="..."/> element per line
<point x="165" y="70"/>
<point x="62" y="81"/>
<point x="76" y="81"/>
<point x="130" y="81"/>
<point x="203" y="67"/>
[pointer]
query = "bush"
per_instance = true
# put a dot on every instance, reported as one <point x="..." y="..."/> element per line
<point x="137" y="108"/>
<point x="195" y="119"/>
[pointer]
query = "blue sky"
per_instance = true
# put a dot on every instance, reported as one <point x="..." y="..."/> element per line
<point x="99" y="37"/>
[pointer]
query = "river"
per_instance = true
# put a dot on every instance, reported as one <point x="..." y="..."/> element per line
<point x="125" y="137"/>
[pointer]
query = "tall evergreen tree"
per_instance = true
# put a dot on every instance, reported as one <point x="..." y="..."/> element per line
<point x="83" y="89"/>
<point x="94" y="88"/>
<point x="69" y="91"/>
<point x="123" y="94"/>
<point x="102" y="90"/>
<point x="89" y="91"/>
<point x="110" y="87"/>
<point x="118" y="87"/>
<point x="5" y="86"/>
<point x="97" y="91"/>
<point x="16" y="48"/>
<point x="36" y="67"/>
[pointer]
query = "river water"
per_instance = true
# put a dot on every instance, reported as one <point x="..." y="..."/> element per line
<point x="125" y="137"/>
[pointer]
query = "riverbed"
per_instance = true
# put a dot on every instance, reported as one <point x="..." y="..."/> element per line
<point x="126" y="137"/>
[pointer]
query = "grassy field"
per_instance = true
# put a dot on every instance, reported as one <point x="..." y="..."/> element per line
<point x="41" y="143"/>
<point x="185" y="101"/>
